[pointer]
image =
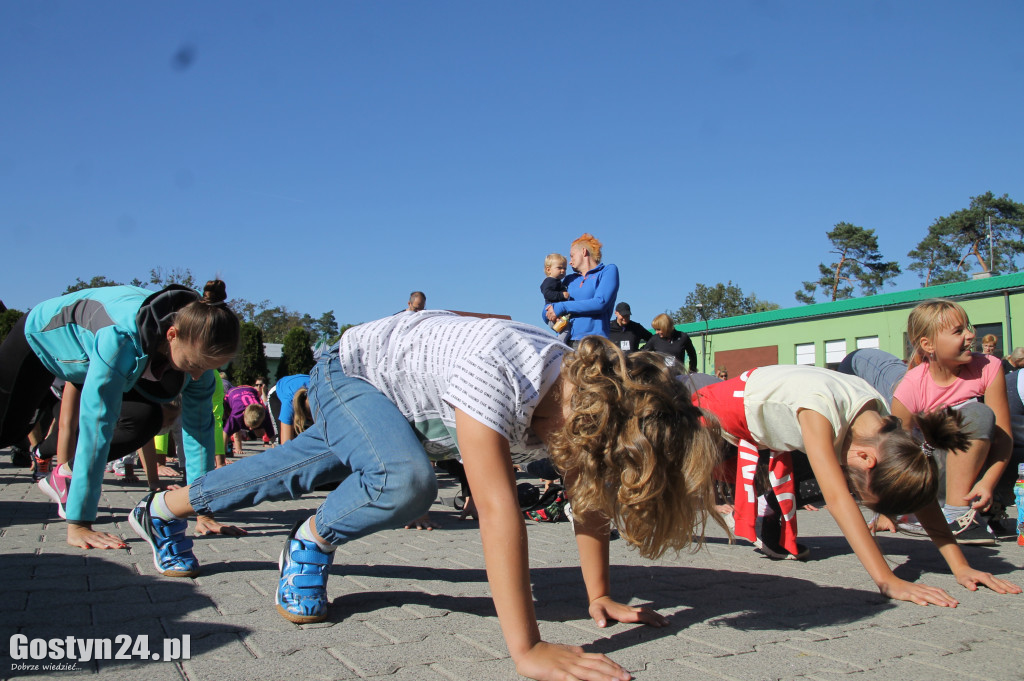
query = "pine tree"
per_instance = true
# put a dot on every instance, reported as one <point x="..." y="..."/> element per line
<point x="860" y="265"/>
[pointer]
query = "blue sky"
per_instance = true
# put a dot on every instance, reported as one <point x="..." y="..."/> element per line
<point x="338" y="155"/>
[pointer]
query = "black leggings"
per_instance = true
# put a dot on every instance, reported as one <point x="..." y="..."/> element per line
<point x="24" y="386"/>
<point x="139" y="422"/>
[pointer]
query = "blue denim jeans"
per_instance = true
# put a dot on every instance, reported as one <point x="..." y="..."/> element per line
<point x="358" y="437"/>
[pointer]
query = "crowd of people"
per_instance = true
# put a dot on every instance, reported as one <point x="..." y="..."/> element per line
<point x="640" y="442"/>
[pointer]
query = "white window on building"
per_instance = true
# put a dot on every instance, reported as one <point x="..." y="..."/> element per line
<point x="835" y="351"/>
<point x="805" y="353"/>
<point x="868" y="342"/>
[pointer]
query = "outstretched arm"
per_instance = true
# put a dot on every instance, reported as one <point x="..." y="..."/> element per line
<point x="934" y="523"/>
<point x="592" y="530"/>
<point x="817" y="436"/>
<point x="503" y="533"/>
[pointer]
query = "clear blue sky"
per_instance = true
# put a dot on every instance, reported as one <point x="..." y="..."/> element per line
<point x="338" y="155"/>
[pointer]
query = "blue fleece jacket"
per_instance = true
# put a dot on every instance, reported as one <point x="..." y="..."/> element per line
<point x="592" y="301"/>
<point x="103" y="339"/>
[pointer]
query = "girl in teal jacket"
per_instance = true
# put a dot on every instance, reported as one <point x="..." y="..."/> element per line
<point x="109" y="341"/>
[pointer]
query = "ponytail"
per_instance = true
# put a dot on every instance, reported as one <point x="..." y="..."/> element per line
<point x="209" y="323"/>
<point x="906" y="477"/>
<point x="302" y="418"/>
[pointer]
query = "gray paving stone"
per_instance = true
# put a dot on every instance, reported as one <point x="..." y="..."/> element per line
<point x="416" y="605"/>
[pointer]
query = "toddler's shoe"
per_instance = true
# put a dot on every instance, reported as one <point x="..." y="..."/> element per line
<point x="302" y="591"/>
<point x="55" y="485"/>
<point x="172" y="550"/>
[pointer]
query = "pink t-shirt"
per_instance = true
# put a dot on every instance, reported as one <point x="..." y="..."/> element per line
<point x="918" y="392"/>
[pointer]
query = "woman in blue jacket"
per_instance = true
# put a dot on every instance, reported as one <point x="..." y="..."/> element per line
<point x="109" y="341"/>
<point x="592" y="289"/>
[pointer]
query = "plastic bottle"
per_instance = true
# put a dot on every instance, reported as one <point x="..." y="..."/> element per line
<point x="1018" y="494"/>
<point x="560" y="323"/>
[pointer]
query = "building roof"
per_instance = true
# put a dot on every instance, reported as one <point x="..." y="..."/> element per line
<point x="958" y="290"/>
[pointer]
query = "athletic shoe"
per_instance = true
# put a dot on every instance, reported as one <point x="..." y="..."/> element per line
<point x="780" y="553"/>
<point x="907" y="524"/>
<point x="40" y="467"/>
<point x="20" y="457"/>
<point x="968" y="530"/>
<point x="172" y="550"/>
<point x="302" y="591"/>
<point x="55" y="485"/>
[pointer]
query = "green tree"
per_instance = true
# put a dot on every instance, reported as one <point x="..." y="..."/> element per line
<point x="958" y="243"/>
<point x="246" y="309"/>
<point x="276" y="322"/>
<point x="859" y="265"/>
<point x="719" y="301"/>
<point x="251" y="360"/>
<point x="326" y="326"/>
<point x="160" y="278"/>
<point x="296" y="354"/>
<point x="8" y="318"/>
<point x="96" y="282"/>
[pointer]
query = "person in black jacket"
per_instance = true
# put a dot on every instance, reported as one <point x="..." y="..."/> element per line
<point x="627" y="334"/>
<point x="672" y="342"/>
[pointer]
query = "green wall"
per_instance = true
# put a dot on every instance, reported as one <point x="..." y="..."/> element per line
<point x="887" y="321"/>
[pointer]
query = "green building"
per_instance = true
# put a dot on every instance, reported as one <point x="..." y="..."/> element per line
<point x="823" y="334"/>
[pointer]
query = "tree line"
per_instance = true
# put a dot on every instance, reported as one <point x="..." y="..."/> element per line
<point x="985" y="237"/>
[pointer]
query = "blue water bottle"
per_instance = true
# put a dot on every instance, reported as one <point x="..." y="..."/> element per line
<point x="1018" y="495"/>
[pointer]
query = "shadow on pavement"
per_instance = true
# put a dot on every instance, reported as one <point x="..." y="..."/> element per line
<point x="54" y="596"/>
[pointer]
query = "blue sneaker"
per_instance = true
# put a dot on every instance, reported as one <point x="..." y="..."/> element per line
<point x="302" y="591"/>
<point x="172" y="550"/>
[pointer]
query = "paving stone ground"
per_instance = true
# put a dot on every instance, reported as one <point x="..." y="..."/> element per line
<point x="408" y="605"/>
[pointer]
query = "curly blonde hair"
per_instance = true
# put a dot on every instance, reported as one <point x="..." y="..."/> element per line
<point x="636" y="448"/>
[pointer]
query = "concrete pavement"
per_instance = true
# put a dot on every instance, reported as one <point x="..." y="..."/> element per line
<point x="414" y="605"/>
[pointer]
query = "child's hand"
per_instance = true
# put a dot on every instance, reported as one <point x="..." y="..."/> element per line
<point x="921" y="594"/>
<point x="84" y="537"/>
<point x="205" y="524"/>
<point x="971" y="578"/>
<point x="604" y="608"/>
<point x="548" y="661"/>
<point x="881" y="523"/>
<point x="980" y="496"/>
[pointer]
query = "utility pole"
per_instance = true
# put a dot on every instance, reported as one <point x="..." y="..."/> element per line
<point x="703" y="340"/>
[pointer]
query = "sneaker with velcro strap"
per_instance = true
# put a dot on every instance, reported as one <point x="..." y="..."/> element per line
<point x="172" y="549"/>
<point x="302" y="589"/>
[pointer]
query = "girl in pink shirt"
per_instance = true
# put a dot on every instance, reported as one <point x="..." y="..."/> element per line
<point x="944" y="372"/>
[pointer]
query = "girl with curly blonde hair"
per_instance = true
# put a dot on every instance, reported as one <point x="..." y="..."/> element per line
<point x="402" y="390"/>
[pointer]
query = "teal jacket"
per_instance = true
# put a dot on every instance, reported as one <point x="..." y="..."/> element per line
<point x="104" y="340"/>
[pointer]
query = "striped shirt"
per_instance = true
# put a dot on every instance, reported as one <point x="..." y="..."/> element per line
<point x="430" y="363"/>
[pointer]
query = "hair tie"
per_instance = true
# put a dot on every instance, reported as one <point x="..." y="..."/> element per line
<point x="927" y="450"/>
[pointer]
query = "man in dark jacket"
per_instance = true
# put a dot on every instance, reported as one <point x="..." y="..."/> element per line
<point x="628" y="335"/>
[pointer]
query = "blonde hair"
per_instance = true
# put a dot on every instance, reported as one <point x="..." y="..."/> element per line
<point x="593" y="246"/>
<point x="553" y="259"/>
<point x="905" y="477"/>
<point x="1016" y="358"/>
<point x="253" y="416"/>
<point x="302" y="418"/>
<point x="926" y="320"/>
<point x="663" y="323"/>
<point x="635" y="448"/>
